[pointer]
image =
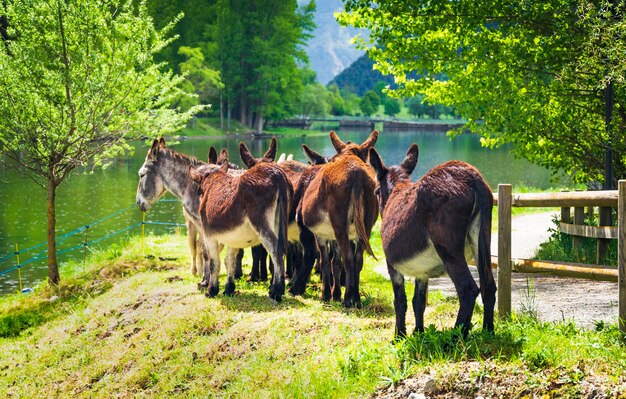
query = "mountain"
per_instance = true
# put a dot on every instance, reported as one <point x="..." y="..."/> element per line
<point x="360" y="77"/>
<point x="330" y="49"/>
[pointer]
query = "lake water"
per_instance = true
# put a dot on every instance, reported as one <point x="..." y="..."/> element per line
<point x="87" y="197"/>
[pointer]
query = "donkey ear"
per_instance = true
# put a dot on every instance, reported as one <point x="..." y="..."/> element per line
<point x="246" y="157"/>
<point x="224" y="165"/>
<point x="410" y="161"/>
<point x="337" y="143"/>
<point x="377" y="164"/>
<point x="195" y="175"/>
<point x="370" y="142"/>
<point x="316" y="159"/>
<point x="212" y="155"/>
<point x="270" y="154"/>
<point x="154" y="150"/>
<point x="223" y="158"/>
<point x="162" y="142"/>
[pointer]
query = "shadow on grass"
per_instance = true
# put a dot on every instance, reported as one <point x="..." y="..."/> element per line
<point x="250" y="301"/>
<point x="448" y="345"/>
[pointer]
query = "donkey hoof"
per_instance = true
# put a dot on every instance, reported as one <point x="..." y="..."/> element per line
<point x="229" y="290"/>
<point x="203" y="284"/>
<point x="212" y="292"/>
<point x="276" y="292"/>
<point x="351" y="303"/>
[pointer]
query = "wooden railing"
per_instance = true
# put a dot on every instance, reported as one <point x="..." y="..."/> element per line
<point x="505" y="200"/>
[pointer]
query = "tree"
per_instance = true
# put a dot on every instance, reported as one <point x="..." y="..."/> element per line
<point x="416" y="106"/>
<point x="392" y="106"/>
<point x="77" y="80"/>
<point x="261" y="44"/>
<point x="531" y="73"/>
<point x="200" y="79"/>
<point x="313" y="100"/>
<point x="369" y="103"/>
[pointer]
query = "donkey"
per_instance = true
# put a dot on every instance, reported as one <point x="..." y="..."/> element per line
<point x="166" y="170"/>
<point x="244" y="211"/>
<point x="340" y="204"/>
<point x="429" y="228"/>
<point x="193" y="232"/>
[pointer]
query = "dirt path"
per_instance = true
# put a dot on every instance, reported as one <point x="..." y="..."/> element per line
<point x="553" y="298"/>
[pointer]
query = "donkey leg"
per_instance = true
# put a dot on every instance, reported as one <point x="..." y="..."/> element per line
<point x="351" y="297"/>
<point x="238" y="264"/>
<point x="338" y="272"/>
<point x="231" y="267"/>
<point x="419" y="303"/>
<point x="301" y="278"/>
<point x="326" y="271"/>
<point x="270" y="243"/>
<point x="214" y="268"/>
<point x="192" y="242"/>
<point x="466" y="289"/>
<point x="399" y="301"/>
<point x="206" y="265"/>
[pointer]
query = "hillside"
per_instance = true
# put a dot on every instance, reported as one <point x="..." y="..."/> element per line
<point x="132" y="324"/>
<point x="360" y="76"/>
<point x="330" y="50"/>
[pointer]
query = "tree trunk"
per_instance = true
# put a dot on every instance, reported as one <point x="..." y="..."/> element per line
<point x="229" y="116"/>
<point x="259" y="123"/>
<point x="53" y="268"/>
<point x="243" y="111"/>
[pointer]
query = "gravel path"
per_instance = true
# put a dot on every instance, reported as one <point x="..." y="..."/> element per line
<point x="553" y="298"/>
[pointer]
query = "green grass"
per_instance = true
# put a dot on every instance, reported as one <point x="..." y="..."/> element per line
<point x="129" y="324"/>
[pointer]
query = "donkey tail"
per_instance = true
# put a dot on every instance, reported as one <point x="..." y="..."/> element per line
<point x="483" y="206"/>
<point x="358" y="208"/>
<point x="283" y="212"/>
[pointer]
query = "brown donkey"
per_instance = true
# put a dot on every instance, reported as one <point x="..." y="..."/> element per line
<point x="429" y="228"/>
<point x="340" y="204"/>
<point x="243" y="211"/>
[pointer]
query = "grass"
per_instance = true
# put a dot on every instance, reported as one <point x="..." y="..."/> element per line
<point x="129" y="325"/>
<point x="560" y="248"/>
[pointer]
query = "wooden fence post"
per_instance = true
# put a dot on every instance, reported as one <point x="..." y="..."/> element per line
<point x="504" y="250"/>
<point x="579" y="219"/>
<point x="602" y="246"/>
<point x="621" y="253"/>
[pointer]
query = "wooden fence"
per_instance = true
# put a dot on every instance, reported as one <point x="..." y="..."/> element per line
<point x="505" y="200"/>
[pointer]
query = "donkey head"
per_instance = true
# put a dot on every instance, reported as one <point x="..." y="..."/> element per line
<point x="388" y="176"/>
<point x="315" y="158"/>
<point x="352" y="148"/>
<point x="250" y="161"/>
<point x="151" y="187"/>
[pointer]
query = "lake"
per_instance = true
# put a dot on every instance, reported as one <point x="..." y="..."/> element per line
<point x="87" y="197"/>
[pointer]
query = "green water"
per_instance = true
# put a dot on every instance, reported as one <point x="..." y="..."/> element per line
<point x="87" y="197"/>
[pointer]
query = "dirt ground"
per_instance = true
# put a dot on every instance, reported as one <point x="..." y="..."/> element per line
<point x="553" y="298"/>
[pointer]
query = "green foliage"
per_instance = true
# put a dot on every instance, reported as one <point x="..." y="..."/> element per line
<point x="369" y="103"/>
<point x="560" y="247"/>
<point x="392" y="106"/>
<point x="313" y="101"/>
<point x="77" y="81"/>
<point x="260" y="47"/>
<point x="529" y="73"/>
<point x="201" y="80"/>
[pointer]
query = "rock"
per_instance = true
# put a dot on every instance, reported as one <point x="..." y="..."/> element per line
<point x="414" y="395"/>
<point x="430" y="388"/>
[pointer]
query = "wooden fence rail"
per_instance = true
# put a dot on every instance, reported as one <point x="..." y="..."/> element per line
<point x="505" y="200"/>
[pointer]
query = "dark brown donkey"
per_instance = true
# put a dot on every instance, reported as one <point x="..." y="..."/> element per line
<point x="429" y="228"/>
<point x="340" y="204"/>
<point x="243" y="211"/>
